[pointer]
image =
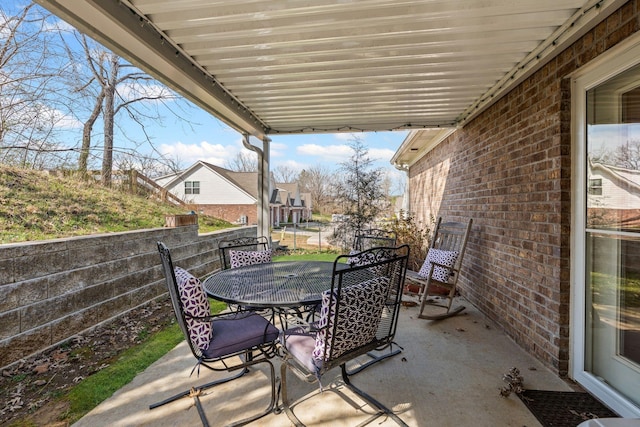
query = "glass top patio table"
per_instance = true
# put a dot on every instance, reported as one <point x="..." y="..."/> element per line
<point x="272" y="285"/>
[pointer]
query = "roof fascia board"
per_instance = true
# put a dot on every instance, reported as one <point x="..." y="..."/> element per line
<point x="430" y="144"/>
<point x="118" y="27"/>
<point x="180" y="175"/>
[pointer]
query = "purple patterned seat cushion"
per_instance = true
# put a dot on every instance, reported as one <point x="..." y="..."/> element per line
<point x="242" y="258"/>
<point x="300" y="346"/>
<point x="238" y="332"/>
<point x="438" y="256"/>
<point x="357" y="319"/>
<point x="195" y="304"/>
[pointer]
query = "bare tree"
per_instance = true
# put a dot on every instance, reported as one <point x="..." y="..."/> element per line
<point x="317" y="180"/>
<point x="106" y="85"/>
<point x="31" y="104"/>
<point x="627" y="155"/>
<point x="47" y="95"/>
<point x="623" y="156"/>
<point x="244" y="161"/>
<point x="285" y="174"/>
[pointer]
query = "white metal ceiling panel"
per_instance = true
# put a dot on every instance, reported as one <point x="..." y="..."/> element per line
<point x="275" y="66"/>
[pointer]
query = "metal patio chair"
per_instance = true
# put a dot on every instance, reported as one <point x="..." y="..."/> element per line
<point x="258" y="244"/>
<point x="358" y="315"/>
<point x="227" y="342"/>
<point x="374" y="237"/>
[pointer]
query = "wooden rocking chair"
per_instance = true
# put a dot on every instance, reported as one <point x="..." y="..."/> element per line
<point x="439" y="274"/>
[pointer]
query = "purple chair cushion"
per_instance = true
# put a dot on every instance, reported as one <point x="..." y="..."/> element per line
<point x="243" y="258"/>
<point x="300" y="345"/>
<point x="195" y="304"/>
<point x="441" y="274"/>
<point x="238" y="332"/>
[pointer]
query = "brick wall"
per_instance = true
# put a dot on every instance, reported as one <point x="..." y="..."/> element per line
<point x="510" y="170"/>
<point x="52" y="290"/>
<point x="231" y="213"/>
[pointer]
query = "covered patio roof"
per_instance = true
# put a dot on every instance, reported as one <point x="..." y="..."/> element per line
<point x="268" y="67"/>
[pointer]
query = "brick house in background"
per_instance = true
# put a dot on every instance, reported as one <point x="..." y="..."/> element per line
<point x="288" y="204"/>
<point x="232" y="196"/>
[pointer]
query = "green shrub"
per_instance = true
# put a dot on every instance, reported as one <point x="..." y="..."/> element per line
<point x="413" y="233"/>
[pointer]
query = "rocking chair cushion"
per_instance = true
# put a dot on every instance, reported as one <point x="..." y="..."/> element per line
<point x="438" y="256"/>
<point x="195" y="304"/>
<point x="360" y="308"/>
<point x="243" y="258"/>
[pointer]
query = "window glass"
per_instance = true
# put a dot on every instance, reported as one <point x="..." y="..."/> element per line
<point x="192" y="187"/>
<point x="612" y="335"/>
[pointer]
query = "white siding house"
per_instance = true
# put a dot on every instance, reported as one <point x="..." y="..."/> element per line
<point x="232" y="196"/>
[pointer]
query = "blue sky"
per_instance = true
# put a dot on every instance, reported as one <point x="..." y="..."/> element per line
<point x="206" y="138"/>
<point x="214" y="142"/>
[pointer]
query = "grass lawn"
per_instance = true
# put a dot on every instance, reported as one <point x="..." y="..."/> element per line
<point x="91" y="391"/>
<point x="316" y="256"/>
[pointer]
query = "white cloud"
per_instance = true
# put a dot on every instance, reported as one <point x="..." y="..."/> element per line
<point x="349" y="136"/>
<point x="65" y="121"/>
<point x="278" y="150"/>
<point x="293" y="164"/>
<point x="330" y="153"/>
<point x="188" y="154"/>
<point x="381" y="154"/>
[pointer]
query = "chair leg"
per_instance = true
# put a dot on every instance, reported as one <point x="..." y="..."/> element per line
<point x="272" y="403"/>
<point x="448" y="312"/>
<point x="285" y="397"/>
<point x="196" y="391"/>
<point x="192" y="392"/>
<point x="382" y="410"/>
<point x="373" y="402"/>
<point x="375" y="358"/>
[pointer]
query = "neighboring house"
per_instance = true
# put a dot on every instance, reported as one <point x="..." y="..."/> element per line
<point x="288" y="204"/>
<point x="232" y="196"/>
<point x="613" y="197"/>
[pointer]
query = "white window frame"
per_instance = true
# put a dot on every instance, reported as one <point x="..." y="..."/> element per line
<point x="191" y="187"/>
<point x="603" y="68"/>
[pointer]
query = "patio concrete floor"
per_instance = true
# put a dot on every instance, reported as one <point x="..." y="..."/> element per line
<point x="449" y="374"/>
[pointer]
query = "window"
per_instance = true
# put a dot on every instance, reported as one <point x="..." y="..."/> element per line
<point x="595" y="187"/>
<point x="606" y="239"/>
<point x="192" y="187"/>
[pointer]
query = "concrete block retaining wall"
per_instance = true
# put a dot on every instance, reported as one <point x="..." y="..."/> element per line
<point x="53" y="290"/>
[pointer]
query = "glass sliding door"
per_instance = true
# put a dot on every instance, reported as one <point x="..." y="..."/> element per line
<point x="610" y="239"/>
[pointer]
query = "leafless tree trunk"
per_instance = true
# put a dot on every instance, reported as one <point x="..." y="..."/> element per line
<point x="109" y="90"/>
<point x="44" y="92"/>
<point x="119" y="87"/>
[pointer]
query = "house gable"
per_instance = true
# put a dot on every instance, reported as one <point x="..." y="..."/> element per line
<point x="215" y="186"/>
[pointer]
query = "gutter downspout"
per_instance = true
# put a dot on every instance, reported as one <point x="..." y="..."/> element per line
<point x="264" y="225"/>
<point x="406" y="203"/>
